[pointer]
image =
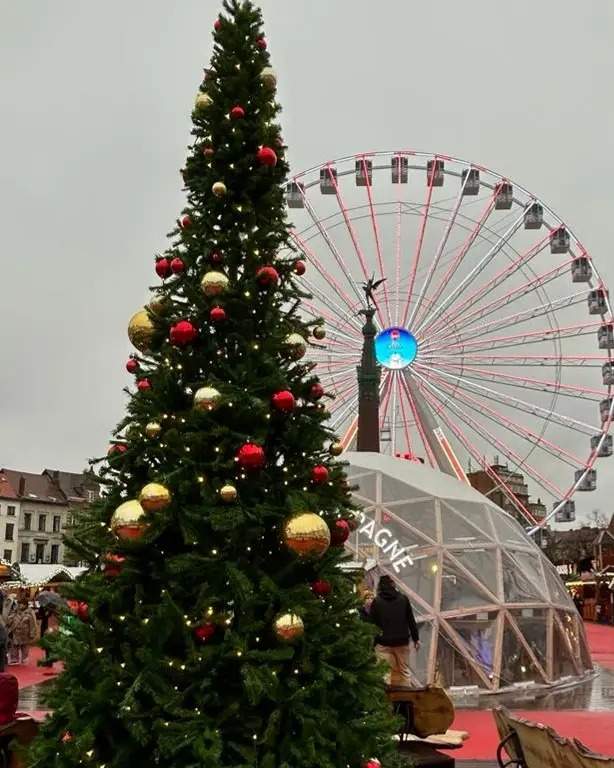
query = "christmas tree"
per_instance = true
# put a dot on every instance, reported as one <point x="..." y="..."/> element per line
<point x="215" y="626"/>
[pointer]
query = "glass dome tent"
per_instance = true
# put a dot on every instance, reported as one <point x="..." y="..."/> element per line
<point x="493" y="611"/>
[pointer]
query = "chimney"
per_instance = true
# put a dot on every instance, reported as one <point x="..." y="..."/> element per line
<point x="22" y="486"/>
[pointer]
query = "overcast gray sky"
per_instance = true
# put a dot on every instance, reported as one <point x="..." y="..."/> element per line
<point x="95" y="100"/>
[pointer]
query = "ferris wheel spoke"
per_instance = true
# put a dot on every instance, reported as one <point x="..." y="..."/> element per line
<point x="397" y="261"/>
<point x="548" y="414"/>
<point x="536" y="361"/>
<point x="533" y="438"/>
<point x="406" y="429"/>
<point x="539" y="385"/>
<point x="490" y="438"/>
<point x="348" y="405"/>
<point x="479" y="457"/>
<point x="376" y="234"/>
<point x="332" y="248"/>
<point x="438" y="253"/>
<point x="479" y="267"/>
<point x="420" y="427"/>
<point x="352" y="232"/>
<point x="464" y="249"/>
<point x="419" y="241"/>
<point x="442" y="320"/>
<point x="496" y="305"/>
<point x="515" y="339"/>
<point x="514" y="320"/>
<point x="394" y="412"/>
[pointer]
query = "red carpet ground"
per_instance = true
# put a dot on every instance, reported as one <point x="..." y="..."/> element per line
<point x="595" y="729"/>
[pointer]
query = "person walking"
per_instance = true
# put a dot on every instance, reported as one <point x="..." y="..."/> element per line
<point x="392" y="613"/>
<point x="22" y="629"/>
<point x="4" y="643"/>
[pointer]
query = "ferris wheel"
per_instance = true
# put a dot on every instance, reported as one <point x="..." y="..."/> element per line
<point x="494" y="329"/>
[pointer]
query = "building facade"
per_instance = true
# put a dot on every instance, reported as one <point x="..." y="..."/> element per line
<point x="36" y="510"/>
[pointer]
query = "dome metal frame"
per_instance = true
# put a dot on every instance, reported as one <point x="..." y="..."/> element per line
<point x="492" y="609"/>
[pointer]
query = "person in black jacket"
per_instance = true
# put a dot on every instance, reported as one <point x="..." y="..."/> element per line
<point x="392" y="613"/>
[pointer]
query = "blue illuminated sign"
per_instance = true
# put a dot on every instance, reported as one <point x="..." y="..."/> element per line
<point x="395" y="348"/>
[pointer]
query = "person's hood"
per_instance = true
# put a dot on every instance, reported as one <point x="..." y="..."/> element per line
<point x="387" y="592"/>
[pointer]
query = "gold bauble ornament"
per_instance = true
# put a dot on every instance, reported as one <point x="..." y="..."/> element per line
<point x="159" y="305"/>
<point x="128" y="522"/>
<point x="228" y="493"/>
<point x="214" y="283"/>
<point x="202" y="100"/>
<point x="268" y="77"/>
<point x="288" y="627"/>
<point x="141" y="330"/>
<point x="207" y="398"/>
<point x="153" y="429"/>
<point x="219" y="189"/>
<point x="154" y="496"/>
<point x="336" y="449"/>
<point x="319" y="332"/>
<point x="306" y="534"/>
<point x="295" y="346"/>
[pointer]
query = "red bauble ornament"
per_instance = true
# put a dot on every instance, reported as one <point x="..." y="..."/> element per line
<point x="267" y="156"/>
<point x="208" y="151"/>
<point x="182" y="333"/>
<point x="143" y="385"/>
<point x="372" y="762"/>
<point x="300" y="267"/>
<point x="261" y="43"/>
<point x="339" y="533"/>
<point x="251" y="456"/>
<point x="132" y="366"/>
<point x="204" y="632"/>
<point x="67" y="737"/>
<point x="177" y="265"/>
<point x="163" y="268"/>
<point x="237" y="113"/>
<point x="267" y="277"/>
<point x="186" y="221"/>
<point x="283" y="401"/>
<point x="215" y="257"/>
<point x="321" y="587"/>
<point x="319" y="474"/>
<point x="117" y="449"/>
<point x="83" y="611"/>
<point x="316" y="391"/>
<point x="217" y="315"/>
<point x="217" y="24"/>
<point x="113" y="565"/>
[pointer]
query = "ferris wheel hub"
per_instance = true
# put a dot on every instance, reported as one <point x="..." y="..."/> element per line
<point x="395" y="348"/>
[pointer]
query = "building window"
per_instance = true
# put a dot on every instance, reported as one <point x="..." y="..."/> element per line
<point x="55" y="553"/>
<point x="91" y="495"/>
<point x="8" y="534"/>
<point x="25" y="553"/>
<point x="10" y="510"/>
<point x="56" y="523"/>
<point x="40" y="553"/>
<point x="27" y="521"/>
<point x="8" y="555"/>
<point x="42" y="522"/>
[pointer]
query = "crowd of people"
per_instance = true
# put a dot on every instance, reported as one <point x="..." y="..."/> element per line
<point x="22" y="624"/>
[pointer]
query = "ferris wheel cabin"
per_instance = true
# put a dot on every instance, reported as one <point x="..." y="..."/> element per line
<point x="598" y="301"/>
<point x="399" y="167"/>
<point x="559" y="242"/>
<point x="589" y="481"/>
<point x="605" y="336"/>
<point x="567" y="513"/>
<point x="603" y="450"/>
<point x="607" y="373"/>
<point x="505" y="196"/>
<point x="434" y="173"/>
<point x="471" y="181"/>
<point x="604" y="408"/>
<point x="294" y="194"/>
<point x="581" y="271"/>
<point x="533" y="216"/>
<point x="328" y="179"/>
